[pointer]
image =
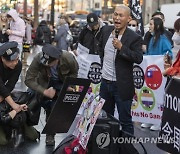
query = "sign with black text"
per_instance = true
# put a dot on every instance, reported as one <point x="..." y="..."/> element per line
<point x="170" y="127"/>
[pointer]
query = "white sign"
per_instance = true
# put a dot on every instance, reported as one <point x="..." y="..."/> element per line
<point x="82" y="50"/>
<point x="84" y="66"/>
<point x="149" y="82"/>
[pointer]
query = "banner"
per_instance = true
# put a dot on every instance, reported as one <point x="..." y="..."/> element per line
<point x="149" y="82"/>
<point x="136" y="12"/>
<point x="170" y="128"/>
<point x="147" y="105"/>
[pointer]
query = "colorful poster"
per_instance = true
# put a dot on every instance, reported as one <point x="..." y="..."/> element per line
<point x="149" y="82"/>
<point x="88" y="112"/>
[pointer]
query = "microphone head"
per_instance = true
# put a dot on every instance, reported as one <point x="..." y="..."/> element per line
<point x="116" y="33"/>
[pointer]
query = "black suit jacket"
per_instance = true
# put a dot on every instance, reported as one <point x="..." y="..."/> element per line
<point x="130" y="53"/>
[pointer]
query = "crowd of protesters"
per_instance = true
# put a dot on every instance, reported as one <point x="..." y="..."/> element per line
<point x="53" y="61"/>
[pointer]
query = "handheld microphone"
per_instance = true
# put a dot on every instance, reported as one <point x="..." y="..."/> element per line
<point x="116" y="33"/>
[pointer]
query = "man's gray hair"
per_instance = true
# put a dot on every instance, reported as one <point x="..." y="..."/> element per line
<point x="125" y="8"/>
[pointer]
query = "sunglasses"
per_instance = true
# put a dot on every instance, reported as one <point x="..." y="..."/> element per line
<point x="132" y="25"/>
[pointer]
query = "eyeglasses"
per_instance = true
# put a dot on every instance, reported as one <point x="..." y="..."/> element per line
<point x="132" y="25"/>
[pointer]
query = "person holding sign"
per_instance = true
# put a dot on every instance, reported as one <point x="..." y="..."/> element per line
<point x="46" y="74"/>
<point x="89" y="36"/>
<point x="120" y="49"/>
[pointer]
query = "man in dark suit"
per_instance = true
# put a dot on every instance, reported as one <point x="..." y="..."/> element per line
<point x="120" y="49"/>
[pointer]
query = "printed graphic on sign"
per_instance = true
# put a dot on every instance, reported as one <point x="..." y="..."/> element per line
<point x="138" y="76"/>
<point x="160" y="107"/>
<point x="147" y="99"/>
<point x="153" y="77"/>
<point x="95" y="73"/>
<point x="96" y="89"/>
<point x="71" y="98"/>
<point x="89" y="114"/>
<point x="135" y="102"/>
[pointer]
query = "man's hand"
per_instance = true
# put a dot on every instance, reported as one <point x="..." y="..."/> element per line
<point x="9" y="32"/>
<point x="117" y="44"/>
<point x="71" y="89"/>
<point x="16" y="107"/>
<point x="166" y="66"/>
<point x="167" y="62"/>
<point x="50" y="92"/>
<point x="75" y="52"/>
<point x="24" y="107"/>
